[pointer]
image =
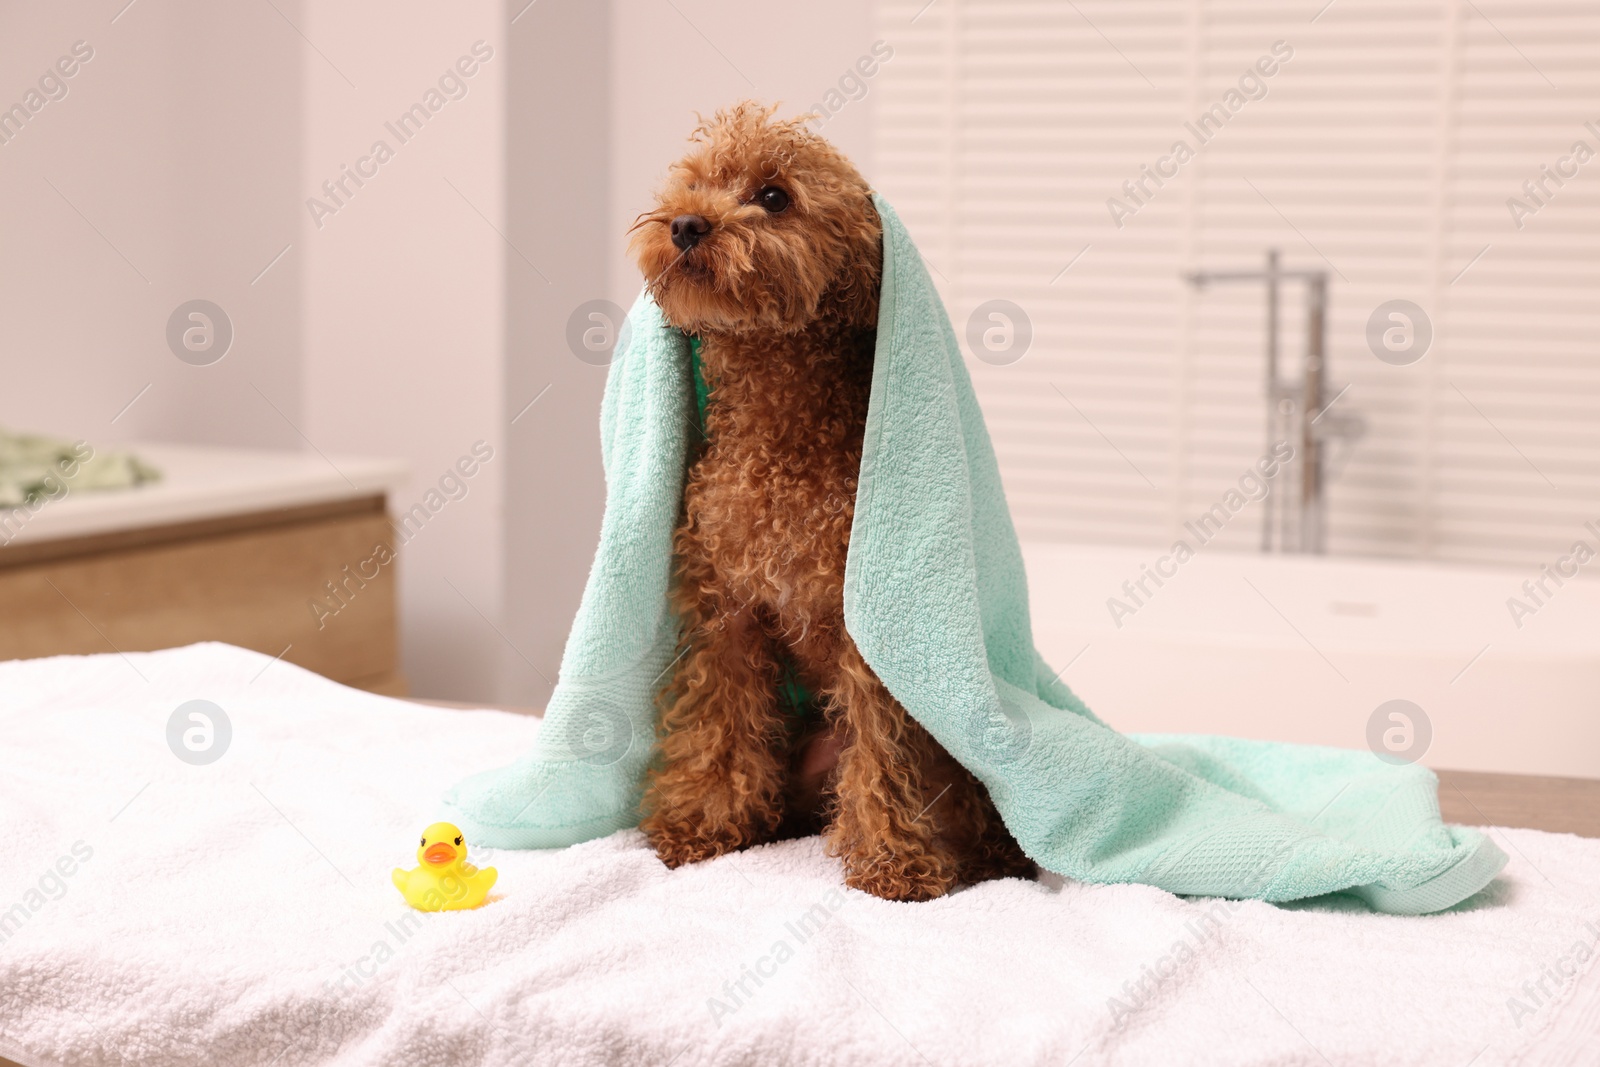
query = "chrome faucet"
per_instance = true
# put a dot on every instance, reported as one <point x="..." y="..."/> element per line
<point x="1296" y="410"/>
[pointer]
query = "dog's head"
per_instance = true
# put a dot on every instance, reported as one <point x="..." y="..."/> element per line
<point x="762" y="226"/>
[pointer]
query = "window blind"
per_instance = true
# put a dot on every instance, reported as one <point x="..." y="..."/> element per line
<point x="1385" y="148"/>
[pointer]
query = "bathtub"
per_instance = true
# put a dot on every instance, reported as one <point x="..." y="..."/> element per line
<point x="1313" y="649"/>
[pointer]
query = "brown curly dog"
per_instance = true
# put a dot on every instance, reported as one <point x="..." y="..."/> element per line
<point x="765" y="247"/>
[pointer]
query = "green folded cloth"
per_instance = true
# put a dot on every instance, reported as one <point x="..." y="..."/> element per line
<point x="936" y="600"/>
<point x="35" y="468"/>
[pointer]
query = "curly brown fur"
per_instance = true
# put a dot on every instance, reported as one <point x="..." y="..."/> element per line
<point x="785" y="305"/>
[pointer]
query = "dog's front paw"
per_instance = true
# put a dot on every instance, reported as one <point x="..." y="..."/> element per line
<point x="998" y="857"/>
<point x="921" y="878"/>
<point x="676" y="846"/>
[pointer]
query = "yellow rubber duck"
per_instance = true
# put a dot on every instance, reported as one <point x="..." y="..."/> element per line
<point x="445" y="881"/>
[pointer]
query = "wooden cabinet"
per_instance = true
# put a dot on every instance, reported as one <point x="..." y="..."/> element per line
<point x="196" y="558"/>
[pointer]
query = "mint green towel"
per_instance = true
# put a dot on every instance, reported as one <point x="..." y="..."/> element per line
<point x="936" y="600"/>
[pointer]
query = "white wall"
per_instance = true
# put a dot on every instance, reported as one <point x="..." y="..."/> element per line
<point x="404" y="302"/>
<point x="558" y="161"/>
<point x="187" y="147"/>
<point x="166" y="173"/>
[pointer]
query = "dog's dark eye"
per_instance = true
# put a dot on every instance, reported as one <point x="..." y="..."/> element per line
<point x="773" y="199"/>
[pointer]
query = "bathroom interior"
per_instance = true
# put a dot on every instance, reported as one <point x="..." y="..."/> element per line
<point x="1281" y="318"/>
<point x="1280" y="326"/>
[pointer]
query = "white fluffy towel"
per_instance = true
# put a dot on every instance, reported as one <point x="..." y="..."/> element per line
<point x="165" y="910"/>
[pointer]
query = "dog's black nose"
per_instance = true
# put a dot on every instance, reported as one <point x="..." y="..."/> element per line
<point x="688" y="231"/>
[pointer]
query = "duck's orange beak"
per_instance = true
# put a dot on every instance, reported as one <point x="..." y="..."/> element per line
<point x="440" y="854"/>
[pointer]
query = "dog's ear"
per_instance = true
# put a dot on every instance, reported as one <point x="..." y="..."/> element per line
<point x="853" y="295"/>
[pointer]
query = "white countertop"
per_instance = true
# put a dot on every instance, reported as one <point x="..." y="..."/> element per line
<point x="205" y="482"/>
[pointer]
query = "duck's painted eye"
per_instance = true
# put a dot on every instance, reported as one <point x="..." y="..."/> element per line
<point x="773" y="199"/>
<point x="458" y="842"/>
<point x="424" y="840"/>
